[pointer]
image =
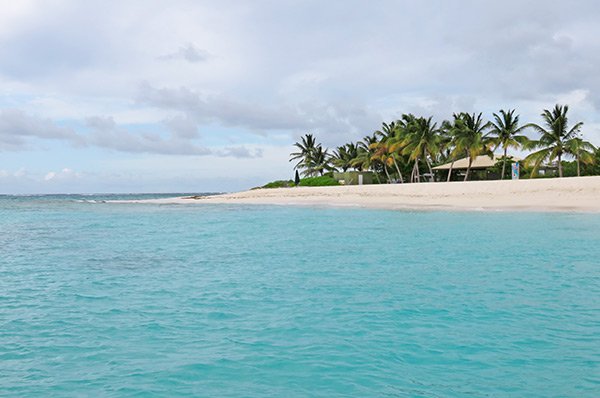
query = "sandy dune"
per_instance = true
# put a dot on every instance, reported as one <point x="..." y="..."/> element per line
<point x="566" y="194"/>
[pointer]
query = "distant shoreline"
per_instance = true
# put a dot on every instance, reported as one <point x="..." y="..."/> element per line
<point x="576" y="194"/>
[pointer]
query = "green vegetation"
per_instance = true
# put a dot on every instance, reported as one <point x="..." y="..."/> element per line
<point x="407" y="149"/>
<point x="468" y="138"/>
<point x="321" y="181"/>
<point x="312" y="159"/>
<point x="278" y="184"/>
<point x="507" y="131"/>
<point x="583" y="152"/>
<point x="556" y="138"/>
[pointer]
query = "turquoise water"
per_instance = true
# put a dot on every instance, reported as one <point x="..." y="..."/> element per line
<point x="120" y="300"/>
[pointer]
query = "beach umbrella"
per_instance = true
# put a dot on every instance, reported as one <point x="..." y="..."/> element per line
<point x="297" y="178"/>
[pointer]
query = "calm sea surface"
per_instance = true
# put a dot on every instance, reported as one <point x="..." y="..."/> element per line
<point x="117" y="300"/>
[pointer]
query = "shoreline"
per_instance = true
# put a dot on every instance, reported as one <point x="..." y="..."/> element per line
<point x="573" y="194"/>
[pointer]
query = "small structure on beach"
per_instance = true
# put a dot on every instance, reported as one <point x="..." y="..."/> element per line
<point x="354" y="177"/>
<point x="481" y="168"/>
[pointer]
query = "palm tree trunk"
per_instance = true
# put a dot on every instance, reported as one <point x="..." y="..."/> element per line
<point x="387" y="174"/>
<point x="560" y="172"/>
<point x="503" y="164"/>
<point x="578" y="169"/>
<point x="413" y="177"/>
<point x="430" y="170"/>
<point x="418" y="173"/>
<point x="398" y="170"/>
<point x="417" y="176"/>
<point x="468" y="170"/>
<point x="450" y="171"/>
<point x="376" y="176"/>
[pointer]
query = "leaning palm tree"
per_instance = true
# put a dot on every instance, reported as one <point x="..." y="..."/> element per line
<point x="421" y="143"/>
<point x="448" y="136"/>
<point x="506" y="130"/>
<point x="469" y="138"/>
<point x="392" y="135"/>
<point x="553" y="138"/>
<point x="583" y="151"/>
<point x="405" y="127"/>
<point x="383" y="155"/>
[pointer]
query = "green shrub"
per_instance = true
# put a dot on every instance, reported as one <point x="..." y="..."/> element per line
<point x="322" y="181"/>
<point x="277" y="184"/>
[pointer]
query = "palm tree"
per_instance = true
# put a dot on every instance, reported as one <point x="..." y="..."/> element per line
<point x="320" y="161"/>
<point x="469" y="137"/>
<point x="305" y="155"/>
<point x="391" y="135"/>
<point x="421" y="142"/>
<point x="553" y="138"/>
<point x="353" y="150"/>
<point x="342" y="156"/>
<point x="583" y="151"/>
<point x="383" y="155"/>
<point x="387" y="130"/>
<point x="447" y="138"/>
<point x="506" y="130"/>
<point x="311" y="157"/>
<point x="365" y="151"/>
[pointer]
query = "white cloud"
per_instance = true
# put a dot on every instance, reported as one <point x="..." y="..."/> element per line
<point x="331" y="119"/>
<point x="17" y="128"/>
<point x="62" y="175"/>
<point x="189" y="52"/>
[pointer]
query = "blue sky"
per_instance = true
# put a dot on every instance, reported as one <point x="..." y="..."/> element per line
<point x="158" y="96"/>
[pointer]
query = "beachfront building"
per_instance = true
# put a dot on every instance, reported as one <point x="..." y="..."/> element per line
<point x="482" y="168"/>
<point x="354" y="177"/>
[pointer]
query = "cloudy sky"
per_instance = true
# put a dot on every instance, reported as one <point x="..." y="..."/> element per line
<point x="191" y="96"/>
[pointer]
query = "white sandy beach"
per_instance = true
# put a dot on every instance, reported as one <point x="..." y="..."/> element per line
<point x="566" y="194"/>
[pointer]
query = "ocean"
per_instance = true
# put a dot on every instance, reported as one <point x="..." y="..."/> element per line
<point x="106" y="299"/>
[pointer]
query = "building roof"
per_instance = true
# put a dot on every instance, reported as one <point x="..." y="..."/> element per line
<point x="480" y="162"/>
